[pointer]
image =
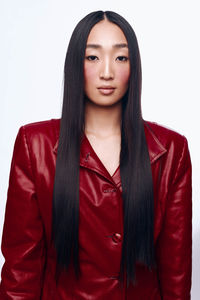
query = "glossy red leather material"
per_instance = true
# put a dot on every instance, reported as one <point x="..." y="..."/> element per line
<point x="29" y="268"/>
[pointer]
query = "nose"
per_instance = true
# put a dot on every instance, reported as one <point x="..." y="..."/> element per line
<point x="106" y="70"/>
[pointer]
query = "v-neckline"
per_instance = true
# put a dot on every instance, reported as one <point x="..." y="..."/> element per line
<point x="97" y="157"/>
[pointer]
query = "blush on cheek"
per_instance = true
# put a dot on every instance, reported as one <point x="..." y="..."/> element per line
<point x="124" y="76"/>
<point x="89" y="73"/>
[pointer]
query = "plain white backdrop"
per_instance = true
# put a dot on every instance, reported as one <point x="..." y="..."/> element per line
<point x="34" y="40"/>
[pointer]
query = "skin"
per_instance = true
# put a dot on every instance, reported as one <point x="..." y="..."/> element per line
<point x="109" y="66"/>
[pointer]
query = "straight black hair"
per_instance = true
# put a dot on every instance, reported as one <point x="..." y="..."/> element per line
<point x="135" y="168"/>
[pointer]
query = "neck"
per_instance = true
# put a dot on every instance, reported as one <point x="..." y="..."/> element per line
<point x="102" y="120"/>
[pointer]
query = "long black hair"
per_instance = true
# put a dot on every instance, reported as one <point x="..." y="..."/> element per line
<point x="135" y="168"/>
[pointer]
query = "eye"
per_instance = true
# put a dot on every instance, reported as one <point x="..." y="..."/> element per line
<point x="91" y="57"/>
<point x="123" y="58"/>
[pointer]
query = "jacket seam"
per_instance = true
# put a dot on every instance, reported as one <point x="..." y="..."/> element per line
<point x="180" y="160"/>
<point x="175" y="176"/>
<point x="29" y="157"/>
<point x="28" y="150"/>
<point x="43" y="250"/>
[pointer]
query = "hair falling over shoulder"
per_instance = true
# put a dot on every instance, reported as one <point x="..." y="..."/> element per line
<point x="135" y="168"/>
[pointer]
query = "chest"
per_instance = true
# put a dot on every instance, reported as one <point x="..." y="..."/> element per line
<point x="107" y="150"/>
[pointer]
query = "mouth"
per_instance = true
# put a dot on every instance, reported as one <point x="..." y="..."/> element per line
<point x="106" y="90"/>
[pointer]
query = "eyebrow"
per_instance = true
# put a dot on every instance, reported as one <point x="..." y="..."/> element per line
<point x="97" y="46"/>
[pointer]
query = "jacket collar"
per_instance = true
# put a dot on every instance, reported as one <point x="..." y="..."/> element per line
<point x="155" y="147"/>
<point x="90" y="160"/>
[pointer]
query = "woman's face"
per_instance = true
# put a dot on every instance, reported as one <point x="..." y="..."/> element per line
<point x="106" y="64"/>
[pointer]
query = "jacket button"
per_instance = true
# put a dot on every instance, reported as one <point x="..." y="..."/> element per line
<point x="117" y="238"/>
<point x="87" y="156"/>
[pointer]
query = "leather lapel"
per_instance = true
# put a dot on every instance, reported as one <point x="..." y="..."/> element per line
<point x="155" y="147"/>
<point x="89" y="159"/>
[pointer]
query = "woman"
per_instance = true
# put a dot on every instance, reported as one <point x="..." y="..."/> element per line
<point x="99" y="201"/>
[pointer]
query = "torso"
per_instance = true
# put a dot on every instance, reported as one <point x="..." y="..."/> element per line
<point x="107" y="149"/>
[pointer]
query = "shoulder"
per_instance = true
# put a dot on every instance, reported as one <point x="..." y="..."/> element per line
<point x="173" y="142"/>
<point x="165" y="134"/>
<point x="40" y="134"/>
<point x="41" y="129"/>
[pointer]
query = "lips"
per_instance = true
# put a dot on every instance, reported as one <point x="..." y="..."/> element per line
<point x="106" y="87"/>
<point x="106" y="90"/>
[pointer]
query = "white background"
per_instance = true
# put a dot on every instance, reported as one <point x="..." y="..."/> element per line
<point x="34" y="39"/>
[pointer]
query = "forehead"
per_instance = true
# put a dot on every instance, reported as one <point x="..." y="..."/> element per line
<point x="106" y="32"/>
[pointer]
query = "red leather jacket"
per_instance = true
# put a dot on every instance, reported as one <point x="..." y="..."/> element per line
<point x="28" y="271"/>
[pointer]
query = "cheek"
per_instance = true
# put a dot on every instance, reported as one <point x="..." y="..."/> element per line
<point x="124" y="76"/>
<point x="89" y="73"/>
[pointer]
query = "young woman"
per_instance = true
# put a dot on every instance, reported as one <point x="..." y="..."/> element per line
<point x="99" y="202"/>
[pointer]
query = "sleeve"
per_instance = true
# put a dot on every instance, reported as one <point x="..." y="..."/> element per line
<point x="23" y="236"/>
<point x="174" y="249"/>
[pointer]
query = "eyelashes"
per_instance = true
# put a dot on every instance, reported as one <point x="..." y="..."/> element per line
<point x="124" y="58"/>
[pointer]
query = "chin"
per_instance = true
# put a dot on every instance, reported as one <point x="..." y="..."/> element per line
<point x="108" y="103"/>
<point x="103" y="101"/>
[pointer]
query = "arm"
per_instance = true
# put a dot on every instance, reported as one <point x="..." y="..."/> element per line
<point x="22" y="239"/>
<point x="174" y="249"/>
